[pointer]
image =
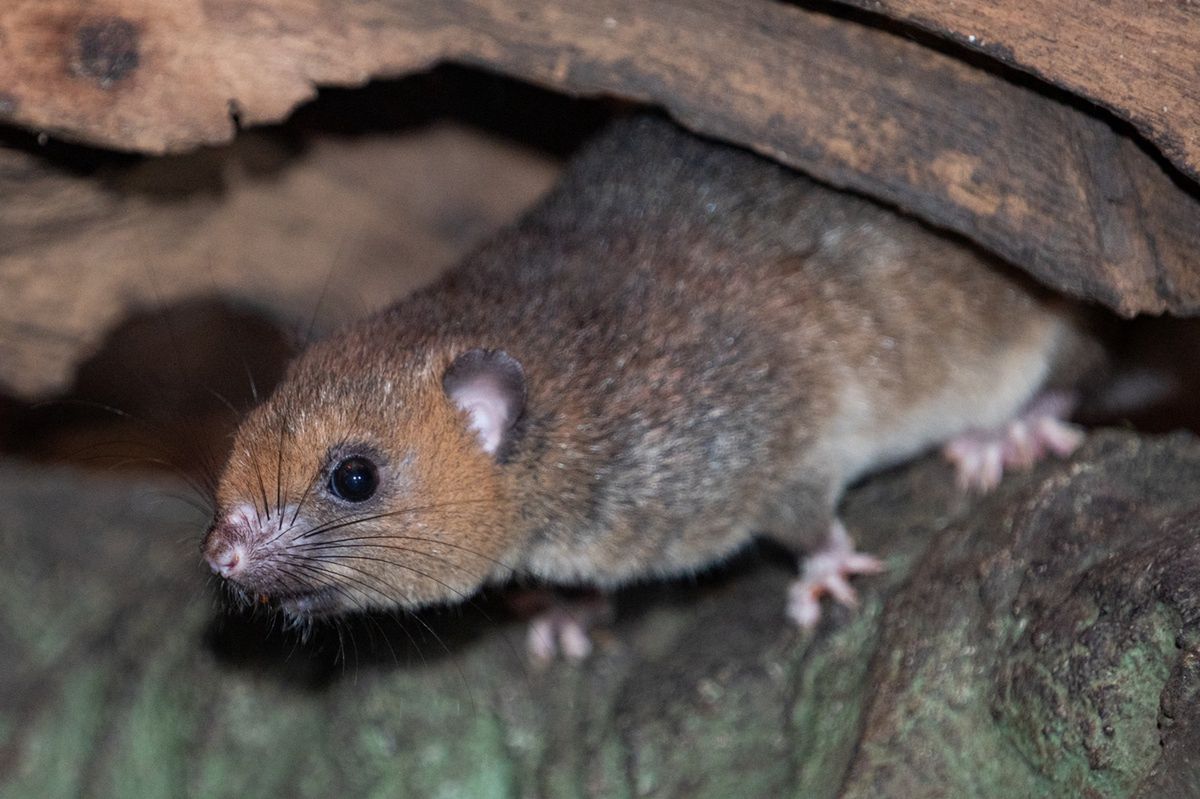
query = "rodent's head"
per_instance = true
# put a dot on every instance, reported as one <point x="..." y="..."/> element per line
<point x="363" y="485"/>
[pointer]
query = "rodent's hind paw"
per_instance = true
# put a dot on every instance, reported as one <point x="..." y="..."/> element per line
<point x="981" y="456"/>
<point x="557" y="632"/>
<point x="562" y="627"/>
<point x="827" y="571"/>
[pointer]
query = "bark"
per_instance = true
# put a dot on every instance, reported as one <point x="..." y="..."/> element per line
<point x="1048" y="186"/>
<point x="1139" y="60"/>
<point x="311" y="232"/>
<point x="1040" y="642"/>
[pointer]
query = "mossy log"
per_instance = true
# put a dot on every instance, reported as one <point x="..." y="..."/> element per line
<point x="1040" y="642"/>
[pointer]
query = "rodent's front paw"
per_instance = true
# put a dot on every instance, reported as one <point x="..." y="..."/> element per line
<point x="827" y="571"/>
<point x="562" y="626"/>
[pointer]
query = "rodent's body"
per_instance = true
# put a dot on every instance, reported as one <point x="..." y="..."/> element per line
<point x="713" y="347"/>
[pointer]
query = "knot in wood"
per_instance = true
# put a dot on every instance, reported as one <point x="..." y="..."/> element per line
<point x="106" y="50"/>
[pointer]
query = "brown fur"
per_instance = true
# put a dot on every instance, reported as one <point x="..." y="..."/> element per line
<point x="714" y="347"/>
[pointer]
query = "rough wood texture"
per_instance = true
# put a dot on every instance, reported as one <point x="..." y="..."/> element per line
<point x="1140" y="60"/>
<point x="1051" y="189"/>
<point x="1038" y="643"/>
<point x="334" y="227"/>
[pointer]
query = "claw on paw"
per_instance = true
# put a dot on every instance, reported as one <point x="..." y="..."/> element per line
<point x="981" y="456"/>
<point x="554" y="633"/>
<point x="565" y="629"/>
<point x="827" y="571"/>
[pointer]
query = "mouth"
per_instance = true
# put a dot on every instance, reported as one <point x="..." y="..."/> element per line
<point x="298" y="601"/>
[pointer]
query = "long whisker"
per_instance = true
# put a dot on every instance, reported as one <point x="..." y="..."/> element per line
<point x="275" y="538"/>
<point x="131" y="443"/>
<point x="372" y="517"/>
<point x="318" y="568"/>
<point x="336" y="623"/>
<point x="300" y="504"/>
<point x="250" y="377"/>
<point x="347" y="517"/>
<point x="312" y="322"/>
<point x="306" y="576"/>
<point x="202" y="508"/>
<point x="469" y="600"/>
<point x="262" y="487"/>
<point x="315" y="573"/>
<point x="120" y="462"/>
<point x="390" y="600"/>
<point x="308" y="488"/>
<point x="414" y="616"/>
<point x="224" y="401"/>
<point x="352" y="541"/>
<point x="279" y="474"/>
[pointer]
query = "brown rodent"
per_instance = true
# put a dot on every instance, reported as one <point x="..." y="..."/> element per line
<point x="683" y="346"/>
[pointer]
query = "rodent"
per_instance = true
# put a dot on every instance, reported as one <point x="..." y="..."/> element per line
<point x="682" y="347"/>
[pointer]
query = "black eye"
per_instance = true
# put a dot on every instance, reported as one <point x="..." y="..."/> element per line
<point x="354" y="479"/>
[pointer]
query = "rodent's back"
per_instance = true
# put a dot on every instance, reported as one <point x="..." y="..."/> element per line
<point x="682" y="346"/>
<point x="691" y="318"/>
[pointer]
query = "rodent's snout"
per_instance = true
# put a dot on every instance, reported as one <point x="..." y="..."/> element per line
<point x="224" y="557"/>
<point x="225" y="561"/>
<point x="226" y="544"/>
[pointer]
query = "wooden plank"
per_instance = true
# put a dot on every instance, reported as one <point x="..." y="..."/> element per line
<point x="1139" y="60"/>
<point x="1053" y="190"/>
<point x="319" y="233"/>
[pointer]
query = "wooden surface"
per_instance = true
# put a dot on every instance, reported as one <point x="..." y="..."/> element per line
<point x="1139" y="59"/>
<point x="320" y="230"/>
<point x="1050" y="188"/>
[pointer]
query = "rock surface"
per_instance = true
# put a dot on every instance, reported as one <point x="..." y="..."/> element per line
<point x="1039" y="642"/>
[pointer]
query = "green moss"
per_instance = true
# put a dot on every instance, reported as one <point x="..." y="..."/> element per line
<point x="103" y="693"/>
<point x="405" y="735"/>
<point x="1140" y="675"/>
<point x="606" y="775"/>
<point x="261" y="742"/>
<point x="476" y="765"/>
<point x="151" y="756"/>
<point x="827" y="715"/>
<point x="44" y="638"/>
<point x="941" y="737"/>
<point x="1097" y="734"/>
<point x="63" y="739"/>
<point x="736" y="746"/>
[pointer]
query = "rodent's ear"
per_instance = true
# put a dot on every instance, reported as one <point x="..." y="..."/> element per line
<point x="490" y="386"/>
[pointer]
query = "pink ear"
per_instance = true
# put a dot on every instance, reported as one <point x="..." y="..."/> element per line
<point x="490" y="386"/>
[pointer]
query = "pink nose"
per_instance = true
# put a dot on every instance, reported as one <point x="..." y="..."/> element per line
<point x="224" y="558"/>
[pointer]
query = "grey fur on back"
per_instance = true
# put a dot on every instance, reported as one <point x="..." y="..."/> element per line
<point x="715" y="345"/>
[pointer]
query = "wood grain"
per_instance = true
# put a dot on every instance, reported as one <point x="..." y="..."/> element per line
<point x="322" y="233"/>
<point x="1140" y="60"/>
<point x="1052" y="189"/>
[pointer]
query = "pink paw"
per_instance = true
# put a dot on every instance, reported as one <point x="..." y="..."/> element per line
<point x="564" y="629"/>
<point x="981" y="456"/>
<point x="827" y="571"/>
